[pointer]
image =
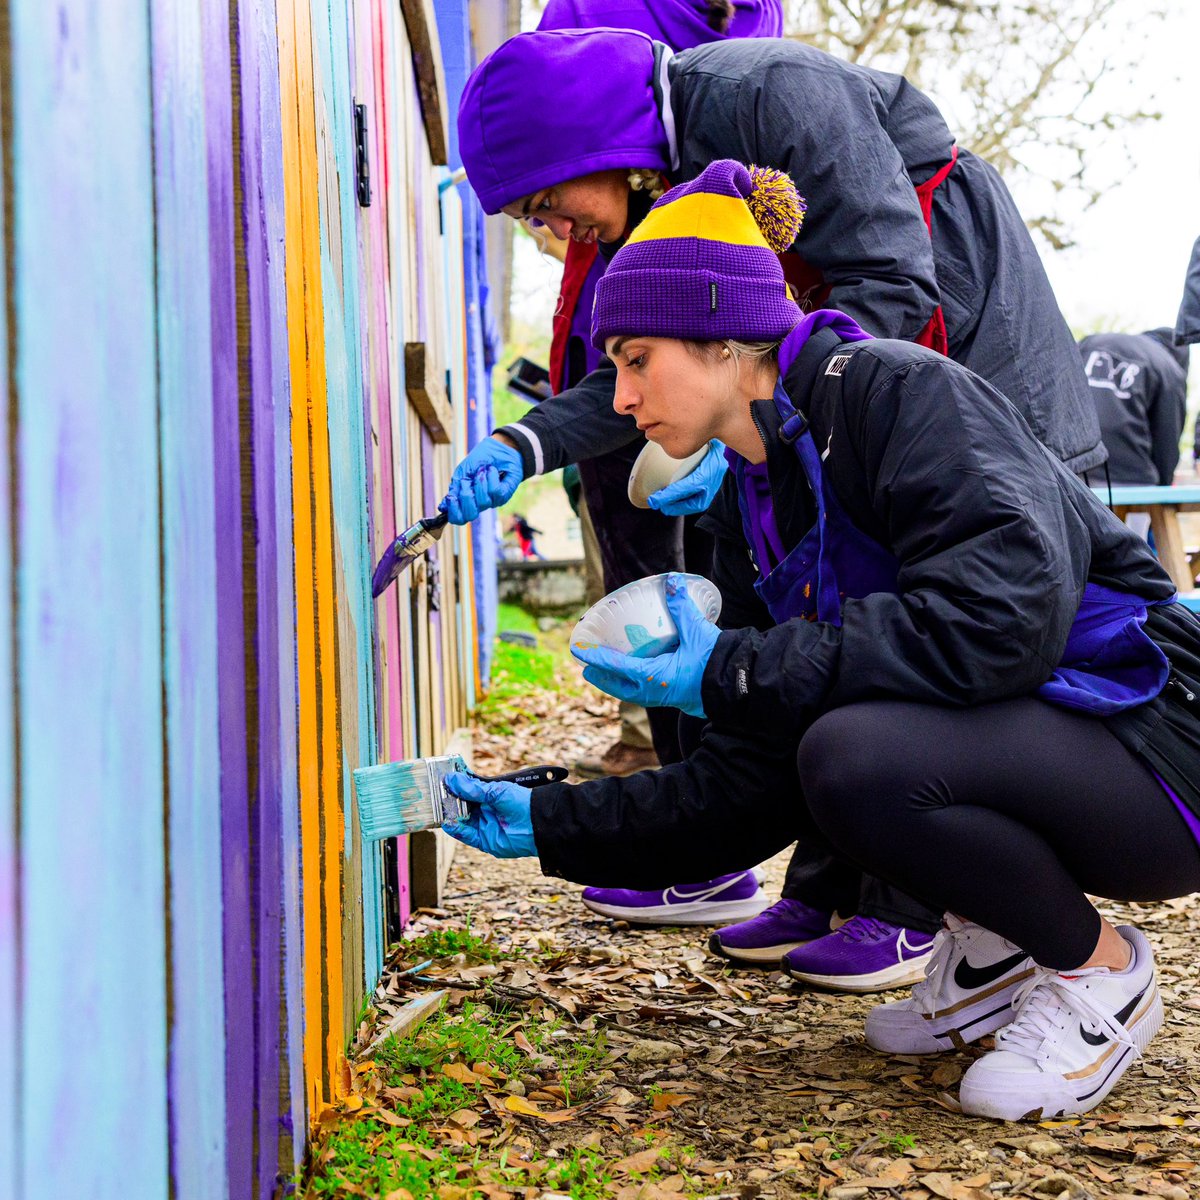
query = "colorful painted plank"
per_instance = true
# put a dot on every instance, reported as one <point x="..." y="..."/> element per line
<point x="91" y="720"/>
<point x="10" y="1103"/>
<point x="185" y="386"/>
<point x="266" y="432"/>
<point x="316" y="618"/>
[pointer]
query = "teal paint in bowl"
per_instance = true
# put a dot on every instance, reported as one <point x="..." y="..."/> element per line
<point x="635" y="619"/>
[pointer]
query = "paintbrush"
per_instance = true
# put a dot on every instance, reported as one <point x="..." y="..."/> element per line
<point x="406" y="549"/>
<point x="405" y="797"/>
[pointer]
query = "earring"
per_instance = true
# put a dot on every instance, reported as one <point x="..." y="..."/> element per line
<point x="725" y="352"/>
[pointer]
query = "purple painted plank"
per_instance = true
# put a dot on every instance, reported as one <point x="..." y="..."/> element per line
<point x="263" y="311"/>
<point x="196" y="1062"/>
<point x="235" y="738"/>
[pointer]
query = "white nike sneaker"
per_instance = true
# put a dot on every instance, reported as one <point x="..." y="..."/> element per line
<point x="1072" y="1038"/>
<point x="967" y="992"/>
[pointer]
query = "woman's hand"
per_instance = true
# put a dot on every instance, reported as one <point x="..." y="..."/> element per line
<point x="486" y="478"/>
<point x="500" y="823"/>
<point x="697" y="489"/>
<point x="667" y="679"/>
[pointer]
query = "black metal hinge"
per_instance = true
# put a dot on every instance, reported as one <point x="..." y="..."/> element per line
<point x="362" y="156"/>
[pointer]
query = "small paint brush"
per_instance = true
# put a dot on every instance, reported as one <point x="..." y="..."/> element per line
<point x="406" y="797"/>
<point x="405" y="550"/>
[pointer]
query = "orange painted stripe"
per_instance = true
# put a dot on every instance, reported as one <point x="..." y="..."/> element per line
<point x="320" y="803"/>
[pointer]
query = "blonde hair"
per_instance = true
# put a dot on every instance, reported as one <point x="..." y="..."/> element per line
<point x="757" y="354"/>
<point x="648" y="180"/>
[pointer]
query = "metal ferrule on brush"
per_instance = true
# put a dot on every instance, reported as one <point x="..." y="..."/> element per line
<point x="399" y="798"/>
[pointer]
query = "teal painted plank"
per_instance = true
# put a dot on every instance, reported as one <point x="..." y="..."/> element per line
<point x="9" y="916"/>
<point x="1148" y="494"/>
<point x="340" y="266"/>
<point x="196" y="1079"/>
<point x="94" y="1038"/>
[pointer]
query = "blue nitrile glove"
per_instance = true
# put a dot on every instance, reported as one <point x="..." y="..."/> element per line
<point x="485" y="479"/>
<point x="667" y="679"/>
<point x="697" y="489"/>
<point x="500" y="823"/>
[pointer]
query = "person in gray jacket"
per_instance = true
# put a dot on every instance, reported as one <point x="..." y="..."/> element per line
<point x="1139" y="384"/>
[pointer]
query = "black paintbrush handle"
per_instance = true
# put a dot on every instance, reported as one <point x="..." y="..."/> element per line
<point x="530" y="777"/>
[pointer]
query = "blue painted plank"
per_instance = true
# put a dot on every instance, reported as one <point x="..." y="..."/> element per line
<point x="9" y="914"/>
<point x="197" y="1032"/>
<point x="1147" y="494"/>
<point x="94" y="1104"/>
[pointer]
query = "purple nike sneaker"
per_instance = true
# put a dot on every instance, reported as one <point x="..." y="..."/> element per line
<point x="864" y="955"/>
<point x="725" y="898"/>
<point x="765" y="939"/>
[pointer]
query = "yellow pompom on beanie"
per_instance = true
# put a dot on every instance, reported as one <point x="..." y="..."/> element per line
<point x="703" y="264"/>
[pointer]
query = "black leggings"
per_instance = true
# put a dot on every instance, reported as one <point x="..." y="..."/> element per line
<point x="1006" y="814"/>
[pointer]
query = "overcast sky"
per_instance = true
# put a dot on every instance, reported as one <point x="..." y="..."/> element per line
<point x="1134" y="243"/>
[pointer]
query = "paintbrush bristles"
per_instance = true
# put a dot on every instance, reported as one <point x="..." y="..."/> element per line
<point x="405" y="797"/>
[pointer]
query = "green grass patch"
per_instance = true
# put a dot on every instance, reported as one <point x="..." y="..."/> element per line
<point x="525" y="677"/>
<point x="449" y="943"/>
<point x="513" y="616"/>
<point x="518" y="670"/>
<point x="413" y="1131"/>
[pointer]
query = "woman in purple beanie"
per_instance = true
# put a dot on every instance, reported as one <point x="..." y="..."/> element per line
<point x="942" y="656"/>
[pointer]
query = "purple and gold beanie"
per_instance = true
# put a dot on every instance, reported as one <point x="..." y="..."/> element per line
<point x="703" y="264"/>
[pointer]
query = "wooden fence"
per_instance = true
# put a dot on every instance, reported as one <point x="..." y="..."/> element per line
<point x="212" y="430"/>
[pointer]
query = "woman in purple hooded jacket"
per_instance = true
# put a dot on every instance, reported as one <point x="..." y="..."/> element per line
<point x="635" y="542"/>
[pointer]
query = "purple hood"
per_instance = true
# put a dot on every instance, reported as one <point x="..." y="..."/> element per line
<point x="542" y="109"/>
<point x="680" y="23"/>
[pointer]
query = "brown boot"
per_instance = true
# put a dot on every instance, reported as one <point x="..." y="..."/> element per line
<point x="618" y="759"/>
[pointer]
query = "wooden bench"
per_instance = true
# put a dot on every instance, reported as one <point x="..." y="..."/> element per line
<point x="1163" y="506"/>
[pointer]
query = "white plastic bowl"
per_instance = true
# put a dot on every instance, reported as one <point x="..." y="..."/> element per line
<point x="635" y="620"/>
<point x="654" y="468"/>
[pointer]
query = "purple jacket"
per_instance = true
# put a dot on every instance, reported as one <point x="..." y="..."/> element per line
<point x="680" y="23"/>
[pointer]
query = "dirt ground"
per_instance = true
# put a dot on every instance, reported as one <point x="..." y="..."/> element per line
<point x="774" y="1086"/>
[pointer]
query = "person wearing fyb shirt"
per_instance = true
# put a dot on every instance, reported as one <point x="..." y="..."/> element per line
<point x="1139" y="384"/>
<point x="911" y="236"/>
<point x="635" y="542"/>
<point x="979" y="684"/>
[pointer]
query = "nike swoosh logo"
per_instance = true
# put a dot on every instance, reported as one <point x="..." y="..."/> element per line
<point x="1098" y="1039"/>
<point x="970" y="978"/>
<point x="674" y="896"/>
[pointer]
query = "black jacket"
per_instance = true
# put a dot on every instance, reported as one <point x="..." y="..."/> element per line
<point x="996" y="540"/>
<point x="1138" y="382"/>
<point x="855" y="141"/>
